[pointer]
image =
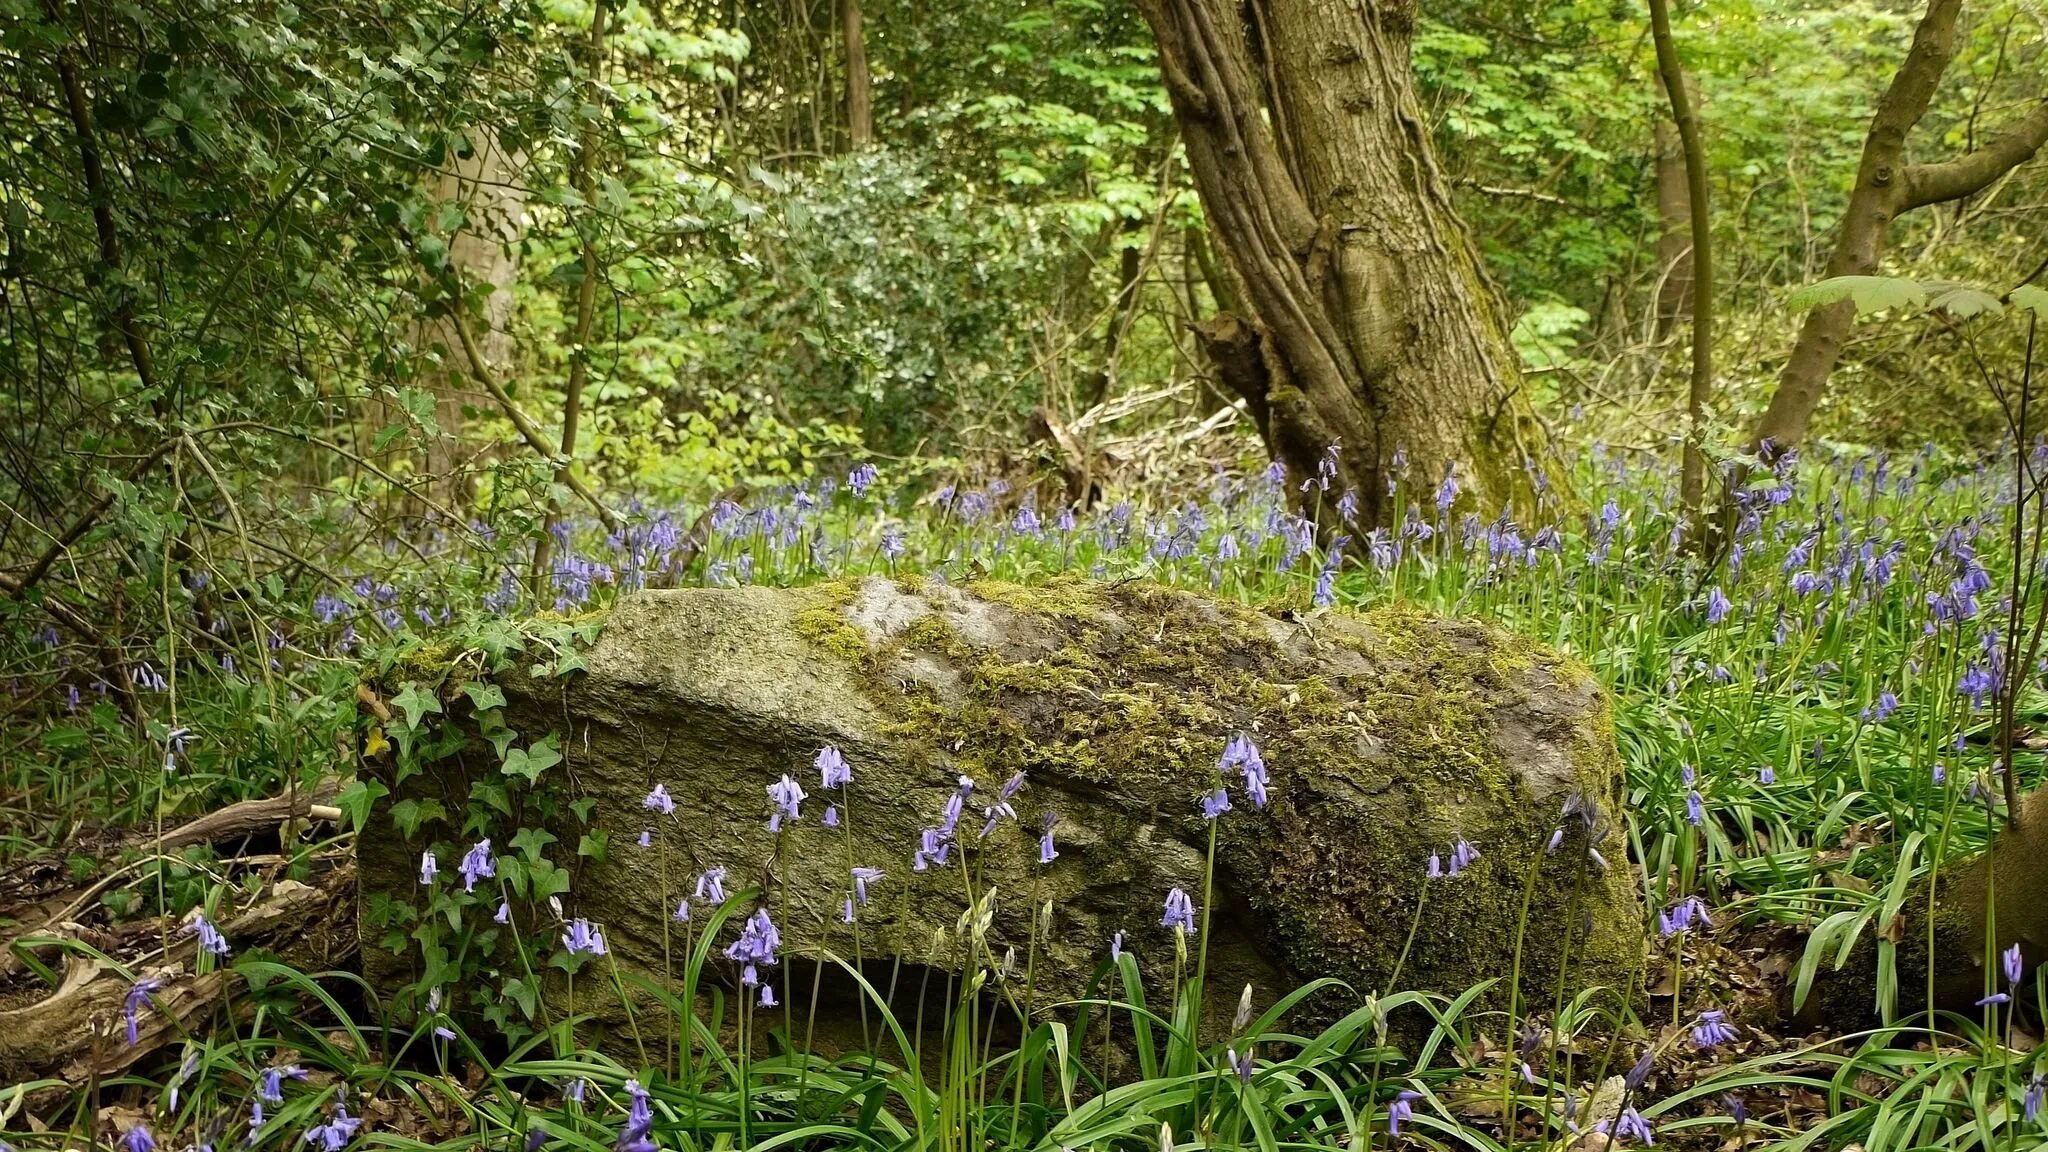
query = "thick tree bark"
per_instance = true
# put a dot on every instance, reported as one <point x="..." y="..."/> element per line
<point x="1885" y="187"/>
<point x="860" y="114"/>
<point x="1375" y="322"/>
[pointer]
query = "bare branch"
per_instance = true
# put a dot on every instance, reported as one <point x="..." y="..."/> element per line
<point x="1973" y="172"/>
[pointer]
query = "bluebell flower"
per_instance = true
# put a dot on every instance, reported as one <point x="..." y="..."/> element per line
<point x="477" y="864"/>
<point x="711" y="885"/>
<point x="1463" y="855"/>
<point x="682" y="912"/>
<point x="574" y="1089"/>
<point x="2037" y="1089"/>
<point x="1243" y="755"/>
<point x="831" y="819"/>
<point x="786" y="794"/>
<point x="1682" y="916"/>
<point x="582" y="938"/>
<point x="1435" y="869"/>
<point x="1556" y="840"/>
<point x="429" y="867"/>
<point x="659" y="800"/>
<point x="768" y="996"/>
<point x="1738" y="1109"/>
<point x="1180" y="912"/>
<point x="862" y="877"/>
<point x="1215" y="803"/>
<point x="1641" y="1070"/>
<point x="636" y="1136"/>
<point x="138" y="1139"/>
<point x="1240" y="1064"/>
<point x="1695" y="807"/>
<point x="832" y="769"/>
<point x="131" y="1004"/>
<point x="1347" y="504"/>
<point x="1766" y="775"/>
<point x="1632" y="1126"/>
<point x="995" y="813"/>
<point x="1712" y="1030"/>
<point x="2013" y="964"/>
<point x="861" y="478"/>
<point x="340" y="1128"/>
<point x="1402" y="1109"/>
<point x="1116" y="947"/>
<point x="504" y="913"/>
<point x="1046" y="853"/>
<point x="646" y="838"/>
<point x="210" y="939"/>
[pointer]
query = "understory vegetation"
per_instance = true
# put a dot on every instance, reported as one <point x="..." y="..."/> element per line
<point x="356" y="356"/>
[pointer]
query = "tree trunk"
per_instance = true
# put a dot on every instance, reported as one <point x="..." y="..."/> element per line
<point x="1377" y="326"/>
<point x="1685" y="114"/>
<point x="485" y="182"/>
<point x="860" y="115"/>
<point x="1674" y="222"/>
<point x="1886" y="187"/>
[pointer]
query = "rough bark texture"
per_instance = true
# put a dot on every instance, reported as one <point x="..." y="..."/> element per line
<point x="860" y="102"/>
<point x="1388" y="737"/>
<point x="1378" y="324"/>
<point x="1885" y="187"/>
<point x="484" y="252"/>
<point x="1674" y="223"/>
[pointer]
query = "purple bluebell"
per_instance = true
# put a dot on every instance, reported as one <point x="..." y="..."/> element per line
<point x="786" y="794"/>
<point x="1116" y="947"/>
<point x="1738" y="1109"/>
<point x="138" y="1139"/>
<point x="1682" y="916"/>
<point x="1695" y="807"/>
<point x="504" y="913"/>
<point x="637" y="1135"/>
<point x="1766" y="775"/>
<point x="340" y="1128"/>
<point x="1712" y="1030"/>
<point x="1435" y="869"/>
<point x="1180" y="912"/>
<point x="757" y="943"/>
<point x="270" y="1085"/>
<point x="574" y="1089"/>
<point x="659" y="800"/>
<point x="711" y="885"/>
<point x="862" y="877"/>
<point x="443" y="1032"/>
<point x="583" y="939"/>
<point x="1215" y="803"/>
<point x="1046" y="852"/>
<point x="1402" y="1109"/>
<point x="1632" y="1126"/>
<point x="831" y="819"/>
<point x="1463" y="855"/>
<point x="2013" y="963"/>
<point x="1243" y="755"/>
<point x="2037" y="1089"/>
<point x="429" y="867"/>
<point x="861" y="478"/>
<point x="477" y="864"/>
<point x="1347" y="504"/>
<point x="682" y="912"/>
<point x="646" y="838"/>
<point x="210" y="939"/>
<point x="1240" y="1063"/>
<point x="131" y="1004"/>
<point x="1556" y="840"/>
<point x="1641" y="1070"/>
<point x="1012" y="786"/>
<point x="994" y="814"/>
<point x="832" y="770"/>
<point x="768" y="997"/>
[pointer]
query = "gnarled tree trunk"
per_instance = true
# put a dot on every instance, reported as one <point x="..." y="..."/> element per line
<point x="1376" y="325"/>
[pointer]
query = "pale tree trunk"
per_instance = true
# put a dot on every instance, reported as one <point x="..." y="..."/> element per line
<point x="860" y="113"/>
<point x="1372" y="323"/>
<point x="1887" y="186"/>
<point x="485" y="182"/>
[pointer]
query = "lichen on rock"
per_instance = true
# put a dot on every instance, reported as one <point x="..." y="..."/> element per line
<point x="1388" y="735"/>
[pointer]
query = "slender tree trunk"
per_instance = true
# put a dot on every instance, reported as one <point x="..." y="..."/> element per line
<point x="1684" y="114"/>
<point x="1372" y="323"/>
<point x="1886" y="187"/>
<point x="583" y="175"/>
<point x="860" y="113"/>
<point x="1674" y="223"/>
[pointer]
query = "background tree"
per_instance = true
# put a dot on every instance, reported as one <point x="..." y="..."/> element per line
<point x="1374" y="324"/>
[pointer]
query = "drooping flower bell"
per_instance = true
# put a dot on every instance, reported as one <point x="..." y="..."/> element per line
<point x="1180" y="912"/>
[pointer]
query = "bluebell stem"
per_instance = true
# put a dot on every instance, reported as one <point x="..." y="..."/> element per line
<point x="429" y="867"/>
<point x="659" y="800"/>
<point x="131" y="1004"/>
<point x="832" y="769"/>
<point x="1712" y="1030"/>
<point x="1180" y="912"/>
<point x="477" y="864"/>
<point x="583" y="939"/>
<point x="787" y="795"/>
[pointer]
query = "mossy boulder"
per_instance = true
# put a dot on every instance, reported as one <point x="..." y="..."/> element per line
<point x="1388" y="737"/>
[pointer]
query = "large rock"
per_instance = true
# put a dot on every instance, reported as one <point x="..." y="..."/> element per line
<point x="1388" y="737"/>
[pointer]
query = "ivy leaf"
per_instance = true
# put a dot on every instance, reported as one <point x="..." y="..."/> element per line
<point x="529" y="763"/>
<point x="408" y="815"/>
<point x="1870" y="293"/>
<point x="531" y="842"/>
<point x="548" y="880"/>
<point x="484" y="695"/>
<point x="356" y="800"/>
<point x="492" y="793"/>
<point x="415" y="703"/>
<point x="593" y="845"/>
